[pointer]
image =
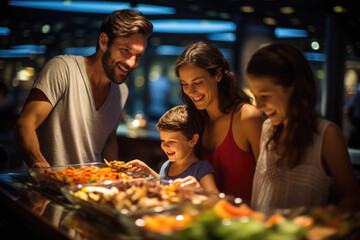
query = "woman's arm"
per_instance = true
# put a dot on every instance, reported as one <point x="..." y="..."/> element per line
<point x="207" y="182"/>
<point x="336" y="156"/>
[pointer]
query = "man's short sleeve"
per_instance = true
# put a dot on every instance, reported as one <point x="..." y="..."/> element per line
<point x="53" y="79"/>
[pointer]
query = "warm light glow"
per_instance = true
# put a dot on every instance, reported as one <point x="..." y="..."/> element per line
<point x="45" y="28"/>
<point x="247" y="9"/>
<point x="25" y="74"/>
<point x="287" y="10"/>
<point x="270" y="21"/>
<point x="339" y="9"/>
<point x="139" y="81"/>
<point x="136" y="123"/>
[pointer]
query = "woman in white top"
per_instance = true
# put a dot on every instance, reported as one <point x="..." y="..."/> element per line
<point x="301" y="154"/>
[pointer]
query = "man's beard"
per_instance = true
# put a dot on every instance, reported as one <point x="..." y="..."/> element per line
<point x="109" y="67"/>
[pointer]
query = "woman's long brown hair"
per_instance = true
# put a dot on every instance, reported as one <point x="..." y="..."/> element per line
<point x="208" y="57"/>
<point x="288" y="67"/>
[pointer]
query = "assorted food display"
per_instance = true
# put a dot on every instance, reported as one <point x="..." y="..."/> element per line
<point x="162" y="209"/>
<point x="229" y="222"/>
<point x="86" y="174"/>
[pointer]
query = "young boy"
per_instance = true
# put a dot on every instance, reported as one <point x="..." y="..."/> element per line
<point x="179" y="133"/>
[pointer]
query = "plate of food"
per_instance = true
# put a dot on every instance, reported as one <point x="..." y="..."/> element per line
<point x="56" y="177"/>
<point x="130" y="199"/>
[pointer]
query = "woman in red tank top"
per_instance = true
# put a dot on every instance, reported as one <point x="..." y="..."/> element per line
<point x="231" y="137"/>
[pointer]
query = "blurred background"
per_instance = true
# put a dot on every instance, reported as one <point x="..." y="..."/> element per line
<point x="326" y="31"/>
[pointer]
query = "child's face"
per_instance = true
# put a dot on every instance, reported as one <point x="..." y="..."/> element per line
<point x="270" y="98"/>
<point x="176" y="145"/>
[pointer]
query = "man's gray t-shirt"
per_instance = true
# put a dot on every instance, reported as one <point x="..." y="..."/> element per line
<point x="75" y="132"/>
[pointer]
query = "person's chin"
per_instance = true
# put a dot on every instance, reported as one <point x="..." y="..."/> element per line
<point x="199" y="106"/>
<point x="275" y="122"/>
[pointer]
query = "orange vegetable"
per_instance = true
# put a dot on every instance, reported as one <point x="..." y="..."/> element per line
<point x="243" y="210"/>
<point x="275" y="219"/>
<point x="224" y="209"/>
<point x="220" y="210"/>
<point x="165" y="224"/>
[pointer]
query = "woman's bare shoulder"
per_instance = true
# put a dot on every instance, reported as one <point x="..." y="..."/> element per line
<point x="247" y="112"/>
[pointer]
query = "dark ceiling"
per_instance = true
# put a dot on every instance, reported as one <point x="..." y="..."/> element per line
<point x="80" y="29"/>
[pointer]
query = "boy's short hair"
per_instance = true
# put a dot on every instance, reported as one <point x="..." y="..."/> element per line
<point x="180" y="118"/>
<point x="185" y="119"/>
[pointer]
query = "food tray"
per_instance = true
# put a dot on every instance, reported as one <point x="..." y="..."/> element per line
<point x="154" y="190"/>
<point x="44" y="181"/>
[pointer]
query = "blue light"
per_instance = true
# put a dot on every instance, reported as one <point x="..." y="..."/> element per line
<point x="169" y="50"/>
<point x="225" y="37"/>
<point x="192" y="26"/>
<point x="92" y="6"/>
<point x="83" y="51"/>
<point x="4" y="31"/>
<point x="22" y="51"/>
<point x="290" y="33"/>
<point x="316" y="57"/>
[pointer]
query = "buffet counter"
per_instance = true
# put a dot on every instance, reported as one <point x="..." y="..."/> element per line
<point x="31" y="211"/>
<point x="27" y="210"/>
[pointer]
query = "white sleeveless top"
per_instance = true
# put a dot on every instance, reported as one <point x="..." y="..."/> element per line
<point x="279" y="188"/>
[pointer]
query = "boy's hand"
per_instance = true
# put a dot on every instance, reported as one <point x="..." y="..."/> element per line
<point x="188" y="181"/>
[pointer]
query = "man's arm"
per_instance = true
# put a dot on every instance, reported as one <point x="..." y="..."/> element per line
<point x="35" y="111"/>
<point x="110" y="151"/>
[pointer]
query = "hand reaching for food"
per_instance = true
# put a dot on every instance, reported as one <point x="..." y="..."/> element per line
<point x="137" y="165"/>
<point x="189" y="181"/>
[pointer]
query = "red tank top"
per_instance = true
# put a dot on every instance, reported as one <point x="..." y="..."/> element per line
<point x="233" y="166"/>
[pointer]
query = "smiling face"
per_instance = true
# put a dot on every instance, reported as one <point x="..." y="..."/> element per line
<point x="176" y="146"/>
<point x="122" y="56"/>
<point x="270" y="98"/>
<point x="200" y="86"/>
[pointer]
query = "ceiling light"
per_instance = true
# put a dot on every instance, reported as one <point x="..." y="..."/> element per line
<point x="82" y="51"/>
<point x="315" y="45"/>
<point x="295" y="21"/>
<point x="192" y="26"/>
<point x="224" y="37"/>
<point x="92" y="6"/>
<point x="287" y="10"/>
<point x="290" y="33"/>
<point x="316" y="57"/>
<point x="247" y="9"/>
<point x="269" y="21"/>
<point x="22" y="51"/>
<point x="339" y="9"/>
<point x="4" y="31"/>
<point x="169" y="50"/>
<point x="45" y="28"/>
